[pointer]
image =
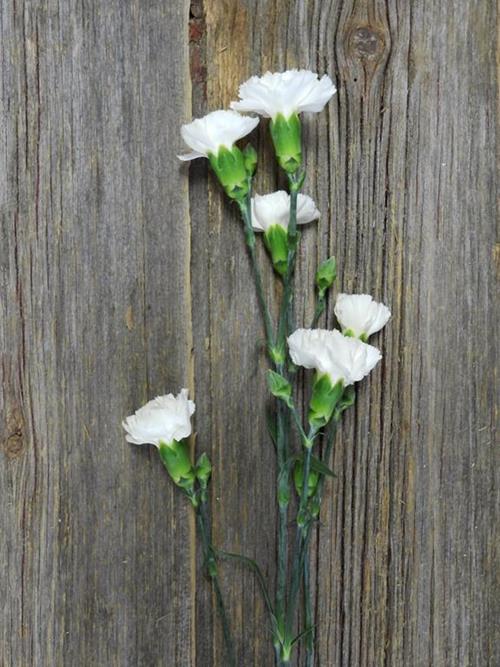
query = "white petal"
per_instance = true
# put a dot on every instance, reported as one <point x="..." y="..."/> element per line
<point x="190" y="156"/>
<point x="165" y="418"/>
<point x="306" y="210"/>
<point x="287" y="92"/>
<point x="361" y="314"/>
<point x="218" y="128"/>
<point x="340" y="357"/>
<point x="274" y="209"/>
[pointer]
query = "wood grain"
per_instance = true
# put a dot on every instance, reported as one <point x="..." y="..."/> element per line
<point x="118" y="282"/>
<point x="95" y="320"/>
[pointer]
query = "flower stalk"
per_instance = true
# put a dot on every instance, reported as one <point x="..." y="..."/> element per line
<point x="339" y="358"/>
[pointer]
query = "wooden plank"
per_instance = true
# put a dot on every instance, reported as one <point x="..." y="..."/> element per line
<point x="118" y="284"/>
<point x="402" y="165"/>
<point x="95" y="290"/>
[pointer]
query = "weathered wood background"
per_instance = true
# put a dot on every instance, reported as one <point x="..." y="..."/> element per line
<point x="123" y="277"/>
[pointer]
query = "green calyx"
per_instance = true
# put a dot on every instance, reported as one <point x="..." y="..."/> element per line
<point x="286" y="134"/>
<point x="176" y="458"/>
<point x="324" y="399"/>
<point x="276" y="241"/>
<point x="349" y="333"/>
<point x="230" y="168"/>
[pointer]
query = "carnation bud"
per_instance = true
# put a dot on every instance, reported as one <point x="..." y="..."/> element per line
<point x="326" y="275"/>
<point x="250" y="159"/>
<point x="298" y="478"/>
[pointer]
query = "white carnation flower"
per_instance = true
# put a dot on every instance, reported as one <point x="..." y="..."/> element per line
<point x="205" y="136"/>
<point x="331" y="353"/>
<point x="284" y="93"/>
<point x="360" y="315"/>
<point x="274" y="209"/>
<point x="164" y="419"/>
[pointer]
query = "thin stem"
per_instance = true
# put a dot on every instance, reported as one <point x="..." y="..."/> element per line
<point x="258" y="572"/>
<point x="319" y="310"/>
<point x="246" y="213"/>
<point x="301" y="539"/>
<point x="282" y="420"/>
<point x="209" y="555"/>
<point x="296" y="417"/>
<point x="308" y="613"/>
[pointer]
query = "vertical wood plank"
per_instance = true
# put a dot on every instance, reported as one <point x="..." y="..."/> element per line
<point x="402" y="166"/>
<point x="118" y="284"/>
<point x="95" y="321"/>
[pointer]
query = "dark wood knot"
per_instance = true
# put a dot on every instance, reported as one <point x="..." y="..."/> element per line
<point x="366" y="43"/>
<point x="13" y="446"/>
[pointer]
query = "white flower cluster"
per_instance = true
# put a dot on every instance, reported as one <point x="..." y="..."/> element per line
<point x="342" y="357"/>
<point x="276" y="93"/>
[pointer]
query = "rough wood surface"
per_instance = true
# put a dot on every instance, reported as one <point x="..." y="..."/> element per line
<point x="118" y="282"/>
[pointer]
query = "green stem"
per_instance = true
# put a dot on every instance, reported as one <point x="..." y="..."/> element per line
<point x="209" y="555"/>
<point x="301" y="541"/>
<point x="246" y="214"/>
<point x="258" y="572"/>
<point x="319" y="310"/>
<point x="282" y="420"/>
<point x="316" y="500"/>
<point x="308" y="613"/>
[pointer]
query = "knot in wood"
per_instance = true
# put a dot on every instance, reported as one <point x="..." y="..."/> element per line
<point x="14" y="446"/>
<point x="366" y="43"/>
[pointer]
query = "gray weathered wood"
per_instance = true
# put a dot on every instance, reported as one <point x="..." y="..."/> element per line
<point x="95" y="320"/>
<point x="118" y="283"/>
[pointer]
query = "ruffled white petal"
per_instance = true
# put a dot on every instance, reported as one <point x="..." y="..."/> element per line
<point x="218" y="128"/>
<point x="274" y="209"/>
<point x="340" y="357"/>
<point x="361" y="314"/>
<point x="287" y="92"/>
<point x="190" y="156"/>
<point x="165" y="418"/>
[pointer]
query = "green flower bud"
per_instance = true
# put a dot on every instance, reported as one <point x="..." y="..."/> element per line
<point x="279" y="387"/>
<point x="325" y="397"/>
<point x="298" y="479"/>
<point x="276" y="240"/>
<point x="229" y="166"/>
<point x="203" y="470"/>
<point x="326" y="275"/>
<point x="286" y="135"/>
<point x="250" y="159"/>
<point x="177" y="460"/>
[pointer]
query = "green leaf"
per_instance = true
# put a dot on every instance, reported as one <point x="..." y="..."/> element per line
<point x="279" y="387"/>
<point x="319" y="467"/>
